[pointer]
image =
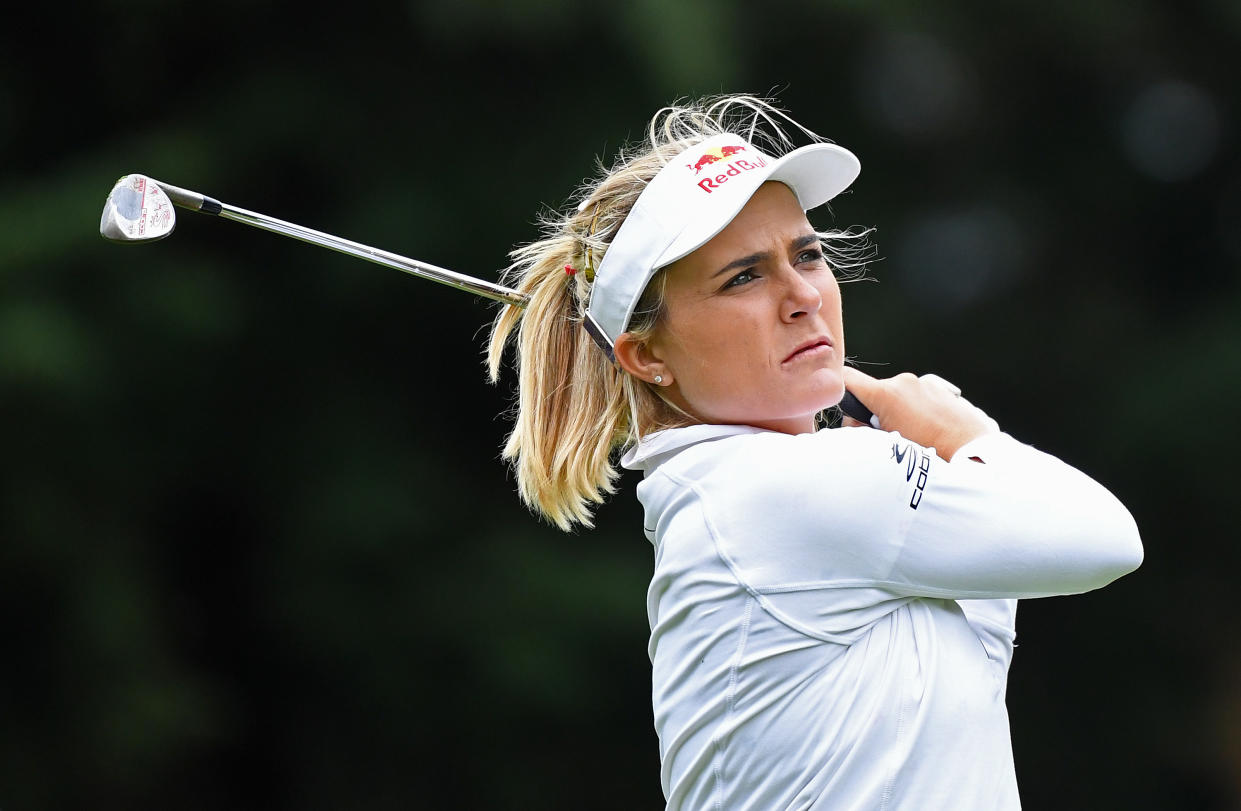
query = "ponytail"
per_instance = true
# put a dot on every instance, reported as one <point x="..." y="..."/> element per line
<point x="571" y="410"/>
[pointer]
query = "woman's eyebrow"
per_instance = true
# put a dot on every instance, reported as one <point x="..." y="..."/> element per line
<point x="755" y="258"/>
<point x="752" y="259"/>
<point x="804" y="241"/>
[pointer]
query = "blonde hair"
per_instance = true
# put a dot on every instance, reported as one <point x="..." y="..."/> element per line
<point x="574" y="407"/>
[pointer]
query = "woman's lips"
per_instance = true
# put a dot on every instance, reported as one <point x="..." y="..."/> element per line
<point x="818" y="346"/>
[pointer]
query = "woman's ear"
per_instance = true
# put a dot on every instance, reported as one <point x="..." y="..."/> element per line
<point x="637" y="358"/>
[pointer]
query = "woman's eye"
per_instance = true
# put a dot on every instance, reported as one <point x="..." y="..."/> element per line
<point x="811" y="255"/>
<point x="744" y="277"/>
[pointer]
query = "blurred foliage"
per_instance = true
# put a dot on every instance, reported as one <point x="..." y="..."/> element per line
<point x="259" y="550"/>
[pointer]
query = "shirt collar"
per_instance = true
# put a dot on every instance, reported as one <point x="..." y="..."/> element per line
<point x="655" y="449"/>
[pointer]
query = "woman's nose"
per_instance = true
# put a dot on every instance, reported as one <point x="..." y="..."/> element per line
<point x="802" y="297"/>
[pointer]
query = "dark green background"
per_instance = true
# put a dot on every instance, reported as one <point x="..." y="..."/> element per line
<point x="257" y="549"/>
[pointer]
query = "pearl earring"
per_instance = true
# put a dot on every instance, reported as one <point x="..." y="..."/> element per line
<point x="659" y="379"/>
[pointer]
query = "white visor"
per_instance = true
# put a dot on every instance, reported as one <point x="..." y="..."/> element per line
<point x="691" y="200"/>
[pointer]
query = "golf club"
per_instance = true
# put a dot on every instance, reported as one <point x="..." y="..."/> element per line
<point x="140" y="209"/>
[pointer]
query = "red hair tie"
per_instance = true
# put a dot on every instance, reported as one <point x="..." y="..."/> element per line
<point x="569" y="269"/>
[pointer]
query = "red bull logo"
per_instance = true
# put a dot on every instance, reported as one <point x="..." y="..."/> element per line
<point x="714" y="155"/>
<point x="724" y="164"/>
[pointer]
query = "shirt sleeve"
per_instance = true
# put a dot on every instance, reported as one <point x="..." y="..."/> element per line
<point x="1021" y="524"/>
<point x="867" y="510"/>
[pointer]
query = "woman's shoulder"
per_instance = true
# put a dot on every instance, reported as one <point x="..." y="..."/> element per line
<point x="767" y="500"/>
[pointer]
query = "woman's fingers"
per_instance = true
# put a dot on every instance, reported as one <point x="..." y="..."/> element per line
<point x="934" y="378"/>
<point x="859" y="382"/>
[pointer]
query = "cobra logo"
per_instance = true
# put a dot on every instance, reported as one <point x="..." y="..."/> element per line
<point x="920" y="463"/>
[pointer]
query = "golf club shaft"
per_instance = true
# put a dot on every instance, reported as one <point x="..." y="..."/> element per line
<point x="193" y="201"/>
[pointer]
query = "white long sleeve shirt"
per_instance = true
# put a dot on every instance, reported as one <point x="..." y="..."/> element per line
<point x="832" y="614"/>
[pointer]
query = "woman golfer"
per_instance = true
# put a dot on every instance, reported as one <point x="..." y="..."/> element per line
<point x="831" y="610"/>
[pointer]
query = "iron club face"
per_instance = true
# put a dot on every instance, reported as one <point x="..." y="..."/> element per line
<point x="137" y="210"/>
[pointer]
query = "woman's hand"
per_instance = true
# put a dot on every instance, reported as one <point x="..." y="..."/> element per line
<point x="928" y="410"/>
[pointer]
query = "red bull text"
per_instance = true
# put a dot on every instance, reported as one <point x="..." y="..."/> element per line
<point x="730" y="170"/>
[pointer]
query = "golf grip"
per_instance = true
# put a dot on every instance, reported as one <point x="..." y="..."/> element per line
<point x="854" y="408"/>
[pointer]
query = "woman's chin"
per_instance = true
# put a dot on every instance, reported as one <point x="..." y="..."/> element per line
<point x="832" y="389"/>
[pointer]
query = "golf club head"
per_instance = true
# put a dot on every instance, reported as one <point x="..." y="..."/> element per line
<point x="137" y="210"/>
